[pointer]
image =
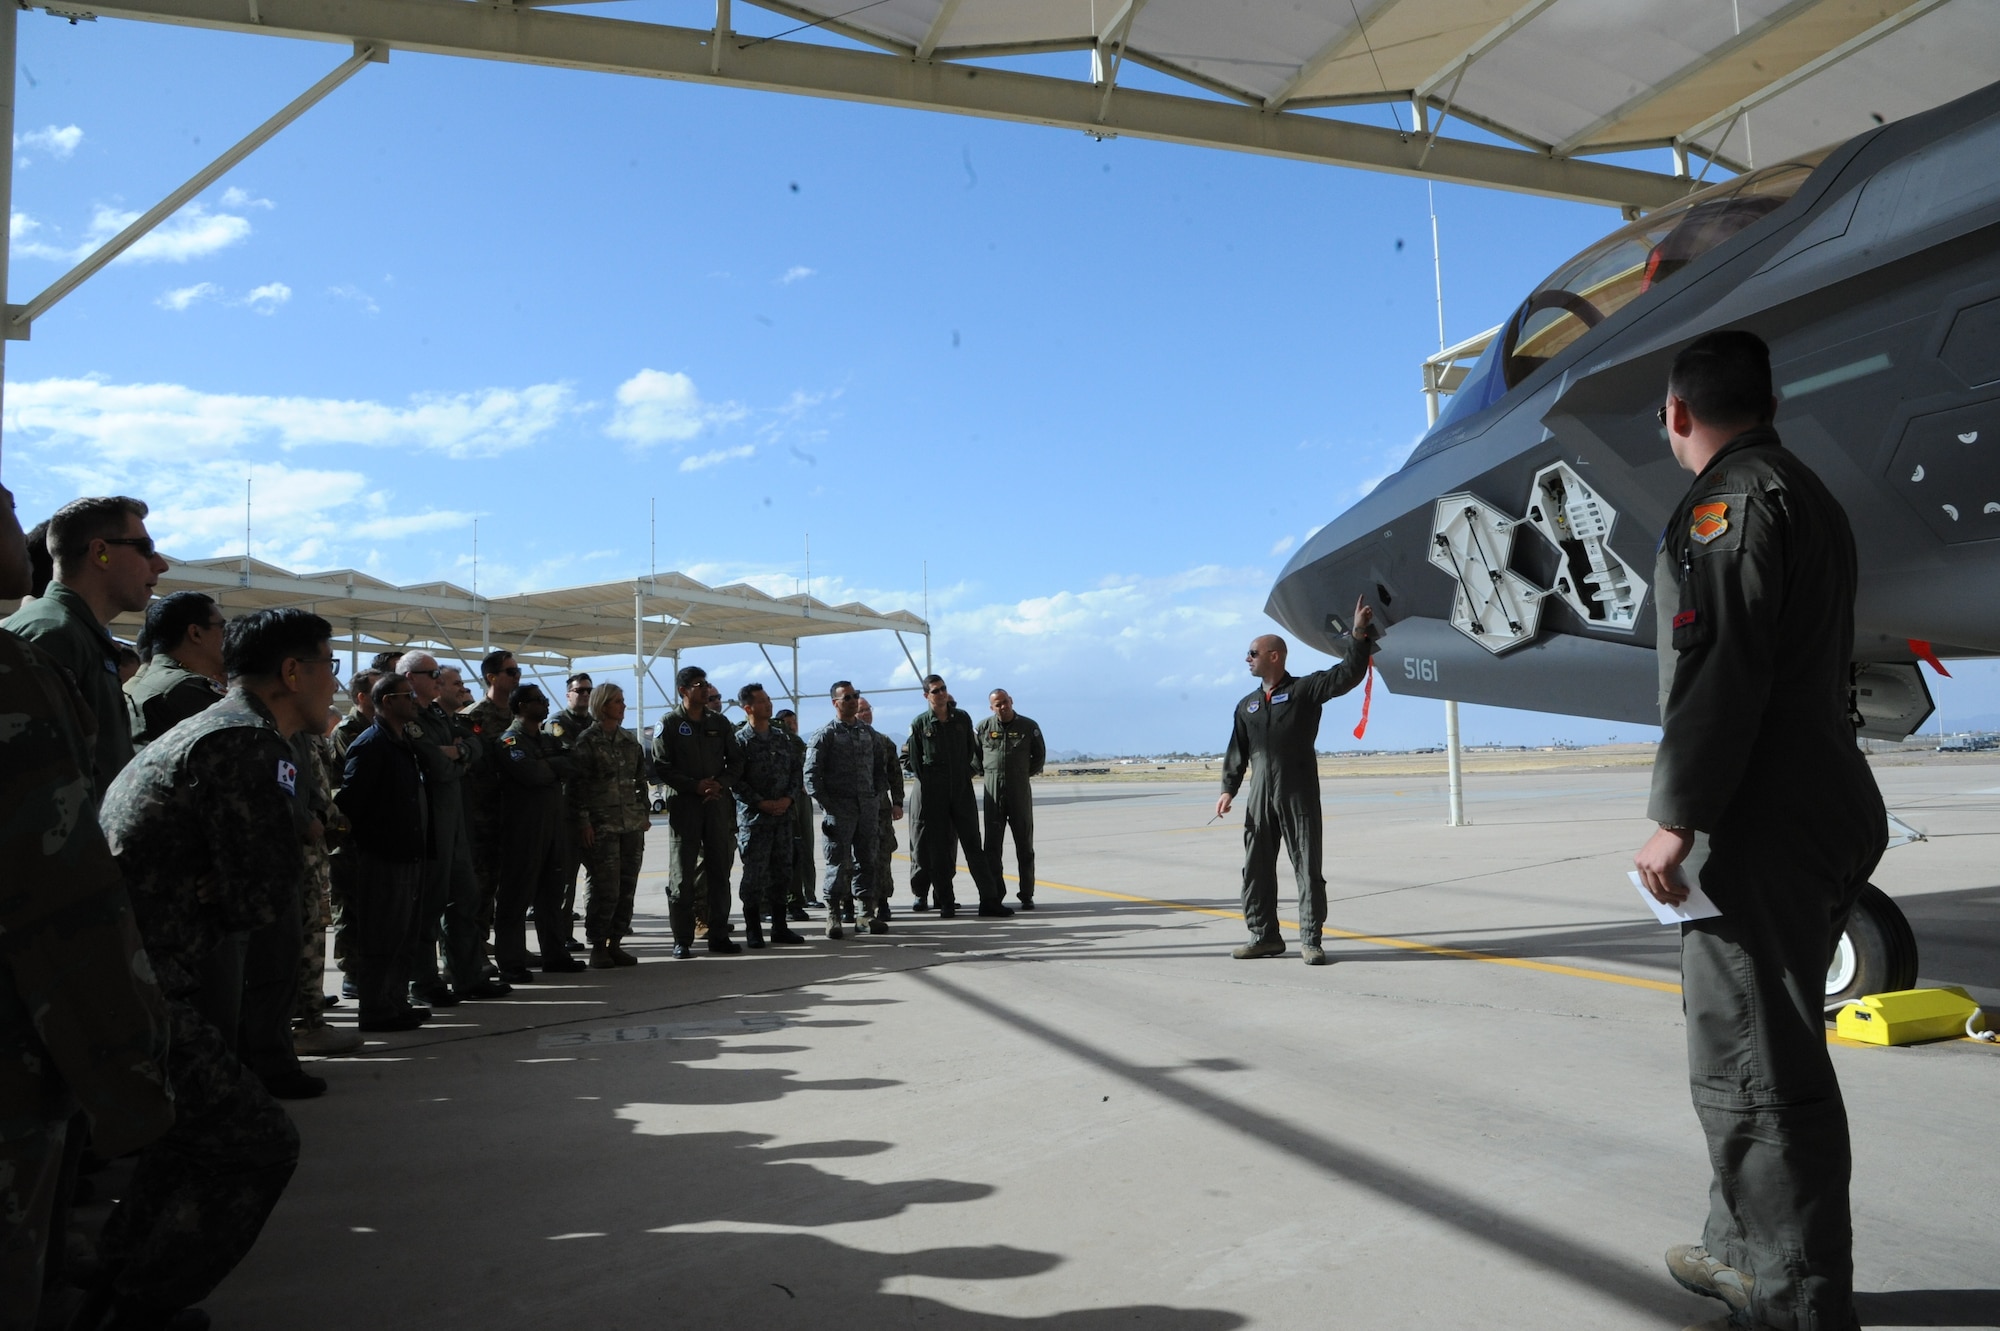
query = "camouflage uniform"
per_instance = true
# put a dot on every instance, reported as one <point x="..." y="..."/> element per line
<point x="163" y="694"/>
<point x="802" y="822"/>
<point x="203" y="828"/>
<point x="566" y="728"/>
<point x="483" y="829"/>
<point x="81" y="1023"/>
<point x="888" y="805"/>
<point x="450" y="904"/>
<point x="687" y="751"/>
<point x="769" y="769"/>
<point x="64" y="627"/>
<point x="608" y="784"/>
<point x="532" y="767"/>
<point x="845" y="771"/>
<point x="317" y="900"/>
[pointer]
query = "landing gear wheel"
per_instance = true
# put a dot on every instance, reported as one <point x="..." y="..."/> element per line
<point x="1877" y="954"/>
<point x="659" y="805"/>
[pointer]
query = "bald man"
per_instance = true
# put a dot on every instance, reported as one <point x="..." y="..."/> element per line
<point x="1276" y="736"/>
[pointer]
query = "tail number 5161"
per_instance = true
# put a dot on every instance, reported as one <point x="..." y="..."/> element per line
<point x="1418" y="667"/>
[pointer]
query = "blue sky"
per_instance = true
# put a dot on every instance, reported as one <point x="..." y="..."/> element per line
<point x="1091" y="392"/>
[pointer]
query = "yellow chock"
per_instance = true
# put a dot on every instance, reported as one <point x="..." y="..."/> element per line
<point x="1907" y="1016"/>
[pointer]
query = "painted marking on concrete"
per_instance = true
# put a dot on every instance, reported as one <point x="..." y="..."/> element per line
<point x="751" y="1023"/>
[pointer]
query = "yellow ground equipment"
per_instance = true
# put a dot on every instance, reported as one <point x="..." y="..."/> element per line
<point x="1908" y="1016"/>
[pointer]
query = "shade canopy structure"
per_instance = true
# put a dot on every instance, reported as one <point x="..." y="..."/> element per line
<point x="639" y="619"/>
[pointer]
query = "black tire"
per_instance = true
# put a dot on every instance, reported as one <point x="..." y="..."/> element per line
<point x="1877" y="954"/>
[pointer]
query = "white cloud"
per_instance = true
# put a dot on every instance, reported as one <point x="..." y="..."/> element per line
<point x="797" y="273"/>
<point x="349" y="292"/>
<point x="1282" y="544"/>
<point x="268" y="297"/>
<point x="181" y="297"/>
<point x="236" y="198"/>
<point x="53" y="142"/>
<point x="170" y="422"/>
<point x="660" y="407"/>
<point x="715" y="457"/>
<point x="192" y="233"/>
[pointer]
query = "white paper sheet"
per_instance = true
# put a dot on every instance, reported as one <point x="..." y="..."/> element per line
<point x="1696" y="907"/>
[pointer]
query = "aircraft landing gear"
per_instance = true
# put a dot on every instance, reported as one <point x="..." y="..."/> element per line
<point x="1877" y="954"/>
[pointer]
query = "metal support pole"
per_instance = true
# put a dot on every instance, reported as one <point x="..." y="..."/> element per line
<point x="639" y="654"/>
<point x="22" y="319"/>
<point x="353" y="649"/>
<point x="798" y="703"/>
<point x="1454" y="768"/>
<point x="8" y="26"/>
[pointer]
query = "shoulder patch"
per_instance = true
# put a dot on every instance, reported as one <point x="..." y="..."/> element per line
<point x="686" y="729"/>
<point x="1708" y="521"/>
<point x="1253" y="707"/>
<point x="288" y="777"/>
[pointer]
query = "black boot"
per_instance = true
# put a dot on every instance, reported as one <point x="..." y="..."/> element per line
<point x="753" y="932"/>
<point x="782" y="932"/>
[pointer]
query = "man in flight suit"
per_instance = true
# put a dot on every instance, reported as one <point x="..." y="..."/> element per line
<point x="845" y="769"/>
<point x="944" y="758"/>
<point x="694" y="756"/>
<point x="800" y="893"/>
<point x="1012" y="751"/>
<point x="1276" y="729"/>
<point x="1762" y="798"/>
<point x="888" y="812"/>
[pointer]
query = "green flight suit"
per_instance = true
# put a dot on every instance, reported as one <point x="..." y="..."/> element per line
<point x="532" y="767"/>
<point x="567" y="727"/>
<point x="163" y="694"/>
<point x="484" y="834"/>
<point x="449" y="908"/>
<point x="1275" y="734"/>
<point x="701" y="832"/>
<point x="1011" y="754"/>
<point x="62" y="625"/>
<point x="944" y="757"/>
<point x="1755" y="597"/>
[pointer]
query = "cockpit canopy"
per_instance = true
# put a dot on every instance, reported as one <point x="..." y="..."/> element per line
<point x="1617" y="270"/>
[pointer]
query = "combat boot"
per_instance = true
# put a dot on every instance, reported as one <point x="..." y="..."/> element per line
<point x="1314" y="954"/>
<point x="600" y="957"/>
<point x="619" y="956"/>
<point x="1274" y="947"/>
<point x="1694" y="1270"/>
<point x="753" y="932"/>
<point x="780" y="931"/>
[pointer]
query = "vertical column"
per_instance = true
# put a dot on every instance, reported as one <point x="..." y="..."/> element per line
<point x="1454" y="769"/>
<point x="639" y="659"/>
<point x="353" y="649"/>
<point x="9" y="22"/>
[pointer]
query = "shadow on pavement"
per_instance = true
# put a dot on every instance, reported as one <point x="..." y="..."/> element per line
<point x="1930" y="1307"/>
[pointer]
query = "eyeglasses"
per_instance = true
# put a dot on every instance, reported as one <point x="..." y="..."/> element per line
<point x="515" y="671"/>
<point x="432" y="673"/>
<point x="1662" y="414"/>
<point x="937" y="692"/>
<point x="143" y="544"/>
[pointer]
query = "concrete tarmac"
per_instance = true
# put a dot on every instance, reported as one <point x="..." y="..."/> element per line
<point x="1089" y="1116"/>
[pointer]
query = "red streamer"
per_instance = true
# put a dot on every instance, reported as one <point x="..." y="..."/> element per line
<point x="1367" y="699"/>
<point x="1925" y="653"/>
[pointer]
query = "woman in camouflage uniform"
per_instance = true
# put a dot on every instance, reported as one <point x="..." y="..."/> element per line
<point x="612" y="815"/>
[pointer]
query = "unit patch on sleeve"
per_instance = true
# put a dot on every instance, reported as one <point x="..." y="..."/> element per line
<point x="1709" y="521"/>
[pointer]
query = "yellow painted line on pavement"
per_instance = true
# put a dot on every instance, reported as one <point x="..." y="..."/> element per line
<point x="1405" y="944"/>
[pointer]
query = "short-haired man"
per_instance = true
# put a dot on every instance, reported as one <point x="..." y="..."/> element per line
<point x="567" y="727"/>
<point x="82" y="1025"/>
<point x="181" y="645"/>
<point x="694" y="757"/>
<point x="1275" y="734"/>
<point x="382" y="793"/>
<point x="449" y="907"/>
<point x="202" y="824"/>
<point x="1011" y="755"/>
<point x="532" y="768"/>
<point x="888" y="812"/>
<point x="452" y="689"/>
<point x="1762" y="798"/>
<point x="105" y="566"/>
<point x="800" y="893"/>
<point x="490" y="719"/>
<point x="845" y="772"/>
<point x="944" y="757"/>
<point x="768" y="773"/>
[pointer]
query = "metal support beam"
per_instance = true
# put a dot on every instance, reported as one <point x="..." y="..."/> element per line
<point x="793" y="695"/>
<point x="723" y="32"/>
<point x="21" y="319"/>
<point x="1454" y="764"/>
<point x="1778" y="87"/>
<point x="928" y="47"/>
<point x="1117" y="35"/>
<point x="580" y="41"/>
<point x="912" y="659"/>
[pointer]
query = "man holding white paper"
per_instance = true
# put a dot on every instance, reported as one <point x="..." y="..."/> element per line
<point x="1764" y="801"/>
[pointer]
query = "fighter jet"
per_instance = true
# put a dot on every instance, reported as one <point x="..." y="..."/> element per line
<point x="1512" y="553"/>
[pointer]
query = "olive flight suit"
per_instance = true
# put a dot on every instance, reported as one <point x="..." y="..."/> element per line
<point x="1012" y="753"/>
<point x="802" y="821"/>
<point x="1275" y="734"/>
<point x="63" y="625"/>
<point x="1756" y="579"/>
<point x="567" y="727"/>
<point x="944" y="758"/>
<point x="450" y="904"/>
<point x="701" y="833"/>
<point x="485" y="832"/>
<point x="533" y="845"/>
<point x="163" y="694"/>
<point x="913" y="816"/>
<point x="888" y="807"/>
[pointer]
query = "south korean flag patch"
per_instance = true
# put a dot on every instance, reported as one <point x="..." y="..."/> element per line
<point x="288" y="777"/>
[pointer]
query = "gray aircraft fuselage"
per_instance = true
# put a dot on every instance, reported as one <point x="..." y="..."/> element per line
<point x="1512" y="555"/>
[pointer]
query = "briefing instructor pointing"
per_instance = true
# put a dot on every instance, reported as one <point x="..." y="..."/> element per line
<point x="1275" y="733"/>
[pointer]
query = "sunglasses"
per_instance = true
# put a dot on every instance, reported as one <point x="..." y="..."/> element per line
<point x="1661" y="414"/>
<point x="515" y="671"/>
<point x="143" y="544"/>
<point x="432" y="673"/>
